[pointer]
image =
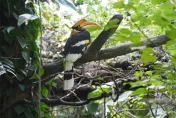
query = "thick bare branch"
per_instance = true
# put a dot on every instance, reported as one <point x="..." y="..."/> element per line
<point x="125" y="49"/>
<point x="109" y="29"/>
<point x="107" y="53"/>
<point x="54" y="102"/>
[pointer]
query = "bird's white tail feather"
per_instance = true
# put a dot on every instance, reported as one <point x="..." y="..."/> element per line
<point x="68" y="65"/>
<point x="68" y="84"/>
<point x="68" y="76"/>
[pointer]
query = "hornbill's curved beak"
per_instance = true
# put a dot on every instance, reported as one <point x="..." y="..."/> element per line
<point x="84" y="24"/>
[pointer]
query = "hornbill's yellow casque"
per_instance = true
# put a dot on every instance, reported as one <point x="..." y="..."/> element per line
<point x="74" y="47"/>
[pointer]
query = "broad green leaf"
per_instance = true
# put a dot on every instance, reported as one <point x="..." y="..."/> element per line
<point x="41" y="72"/>
<point x="139" y="73"/>
<point x="118" y="5"/>
<point x="21" y="41"/>
<point x="169" y="14"/>
<point x="95" y="93"/>
<point x="92" y="107"/>
<point x="148" y="58"/>
<point x="9" y="29"/>
<point x="156" y="82"/>
<point x="20" y="109"/>
<point x="124" y="96"/>
<point x="123" y="34"/>
<point x="125" y="31"/>
<point x="52" y="83"/>
<point x="44" y="91"/>
<point x="135" y="37"/>
<point x="26" y="56"/>
<point x="93" y="28"/>
<point x="147" y="55"/>
<point x="44" y="105"/>
<point x="158" y="19"/>
<point x="154" y="2"/>
<point x="99" y="78"/>
<point x="168" y="11"/>
<point x="130" y="4"/>
<point x="140" y="92"/>
<point x="171" y="33"/>
<point x="112" y="24"/>
<point x="28" y="114"/>
<point x="150" y="73"/>
<point x="141" y="8"/>
<point x="99" y="91"/>
<point x="22" y="86"/>
<point x="26" y="17"/>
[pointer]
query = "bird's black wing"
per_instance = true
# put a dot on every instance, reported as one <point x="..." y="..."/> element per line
<point x="72" y="40"/>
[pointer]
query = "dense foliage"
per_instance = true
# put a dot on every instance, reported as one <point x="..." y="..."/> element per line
<point x="153" y="95"/>
<point x="19" y="57"/>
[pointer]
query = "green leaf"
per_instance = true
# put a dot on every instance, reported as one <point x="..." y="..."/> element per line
<point x="158" y="19"/>
<point x="52" y="83"/>
<point x="135" y="38"/>
<point x="112" y="24"/>
<point x="21" y="41"/>
<point x="154" y="2"/>
<point x="99" y="91"/>
<point x="124" y="34"/>
<point x="139" y="73"/>
<point x="124" y="96"/>
<point x="44" y="105"/>
<point x="118" y="4"/>
<point x="125" y="31"/>
<point x="140" y="92"/>
<point x="138" y="83"/>
<point x="28" y="114"/>
<point x="93" y="28"/>
<point x="26" y="56"/>
<point x="146" y="55"/>
<point x="22" y="86"/>
<point x="171" y="33"/>
<point x="150" y="73"/>
<point x="99" y="78"/>
<point x="20" y="109"/>
<point x="9" y="29"/>
<point x="92" y="107"/>
<point x="41" y="72"/>
<point x="44" y="91"/>
<point x="95" y="93"/>
<point x="26" y="17"/>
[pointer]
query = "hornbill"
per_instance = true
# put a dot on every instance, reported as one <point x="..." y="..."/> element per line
<point x="76" y="44"/>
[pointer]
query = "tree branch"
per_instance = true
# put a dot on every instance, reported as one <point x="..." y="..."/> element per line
<point x="125" y="49"/>
<point x="107" y="53"/>
<point x="109" y="29"/>
<point x="54" y="102"/>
